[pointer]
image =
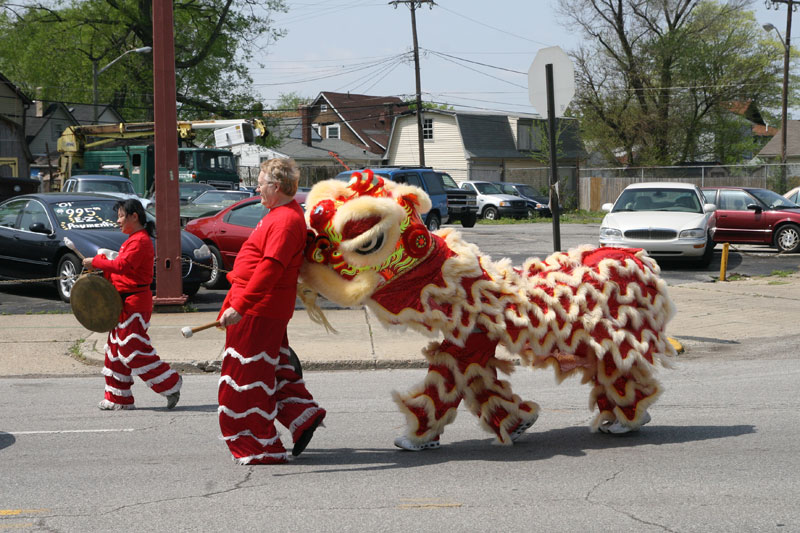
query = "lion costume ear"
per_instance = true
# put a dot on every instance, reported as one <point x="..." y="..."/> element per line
<point x="414" y="196"/>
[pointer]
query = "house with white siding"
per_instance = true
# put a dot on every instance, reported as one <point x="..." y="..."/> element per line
<point x="482" y="145"/>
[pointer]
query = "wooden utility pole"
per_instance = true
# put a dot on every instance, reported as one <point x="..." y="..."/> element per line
<point x="413" y="5"/>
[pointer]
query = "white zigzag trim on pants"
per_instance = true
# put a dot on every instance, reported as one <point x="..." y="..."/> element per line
<point x="127" y="322"/>
<point x="244" y="360"/>
<point x="284" y="367"/>
<point x="239" y="388"/>
<point x="247" y="460"/>
<point x="143" y="369"/>
<point x="158" y="379"/>
<point x="174" y="389"/>
<point x="127" y="339"/>
<point x="116" y="375"/>
<point x="118" y="392"/>
<point x="305" y="416"/>
<point x="233" y="414"/>
<point x="248" y="433"/>
<point x="284" y="382"/>
<point x="296" y="400"/>
<point x="285" y="351"/>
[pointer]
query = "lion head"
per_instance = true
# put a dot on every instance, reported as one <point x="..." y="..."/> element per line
<point x="362" y="234"/>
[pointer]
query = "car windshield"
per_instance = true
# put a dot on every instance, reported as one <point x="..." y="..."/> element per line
<point x="86" y="214"/>
<point x="488" y="188"/>
<point x="448" y="180"/>
<point x="118" y="186"/>
<point x="220" y="197"/>
<point x="773" y="199"/>
<point x="215" y="161"/>
<point x="682" y="200"/>
<point x="527" y="190"/>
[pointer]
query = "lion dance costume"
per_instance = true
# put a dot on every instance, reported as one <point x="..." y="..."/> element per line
<point x="598" y="312"/>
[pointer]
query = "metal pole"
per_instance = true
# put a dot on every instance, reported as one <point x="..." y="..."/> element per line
<point x="785" y="96"/>
<point x="94" y="88"/>
<point x="421" y="141"/>
<point x="551" y="123"/>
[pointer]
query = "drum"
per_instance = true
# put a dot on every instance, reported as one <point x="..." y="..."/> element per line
<point x="95" y="303"/>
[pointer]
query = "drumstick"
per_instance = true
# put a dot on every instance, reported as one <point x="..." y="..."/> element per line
<point x="71" y="245"/>
<point x="189" y="331"/>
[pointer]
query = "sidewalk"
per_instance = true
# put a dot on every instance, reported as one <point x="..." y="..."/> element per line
<point x="707" y="313"/>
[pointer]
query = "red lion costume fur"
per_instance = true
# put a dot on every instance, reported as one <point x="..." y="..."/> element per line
<point x="598" y="312"/>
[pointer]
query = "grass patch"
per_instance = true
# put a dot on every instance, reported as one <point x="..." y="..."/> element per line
<point x="782" y="273"/>
<point x="569" y="217"/>
<point x="50" y="312"/>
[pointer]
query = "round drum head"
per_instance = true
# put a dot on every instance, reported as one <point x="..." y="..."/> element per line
<point x="95" y="303"/>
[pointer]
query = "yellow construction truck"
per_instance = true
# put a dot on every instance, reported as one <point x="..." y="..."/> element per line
<point x="106" y="149"/>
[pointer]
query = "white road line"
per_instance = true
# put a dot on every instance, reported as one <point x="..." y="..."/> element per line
<point x="58" y="431"/>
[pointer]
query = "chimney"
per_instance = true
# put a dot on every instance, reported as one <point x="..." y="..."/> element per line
<point x="306" y="124"/>
<point x="388" y="115"/>
<point x="39" y="104"/>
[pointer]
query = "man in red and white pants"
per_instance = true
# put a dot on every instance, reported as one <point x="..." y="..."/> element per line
<point x="258" y="383"/>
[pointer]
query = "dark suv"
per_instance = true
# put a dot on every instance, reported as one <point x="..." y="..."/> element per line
<point x="462" y="204"/>
<point x="426" y="179"/>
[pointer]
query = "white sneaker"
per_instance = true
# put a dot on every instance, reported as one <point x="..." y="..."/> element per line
<point x="522" y="428"/>
<point x="618" y="429"/>
<point x="406" y="444"/>
<point x="106" y="405"/>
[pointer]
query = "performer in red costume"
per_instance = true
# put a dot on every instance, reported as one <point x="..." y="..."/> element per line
<point x="258" y="383"/>
<point x="128" y="349"/>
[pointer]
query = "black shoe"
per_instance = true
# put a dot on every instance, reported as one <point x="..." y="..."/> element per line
<point x="305" y="438"/>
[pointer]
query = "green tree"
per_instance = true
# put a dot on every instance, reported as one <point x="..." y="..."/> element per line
<point x="289" y="102"/>
<point x="657" y="79"/>
<point x="53" y="45"/>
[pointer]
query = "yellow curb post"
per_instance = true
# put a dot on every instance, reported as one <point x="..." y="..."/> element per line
<point x="723" y="264"/>
<point x="677" y="345"/>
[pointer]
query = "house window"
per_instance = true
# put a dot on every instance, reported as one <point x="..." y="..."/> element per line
<point x="8" y="167"/>
<point x="323" y="108"/>
<point x="333" y="132"/>
<point x="524" y="136"/>
<point x="317" y="129"/>
<point x="427" y="129"/>
<point x="56" y="129"/>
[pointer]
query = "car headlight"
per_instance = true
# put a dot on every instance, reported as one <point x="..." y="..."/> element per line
<point x="610" y="233"/>
<point x="202" y="253"/>
<point x="695" y="233"/>
<point x="503" y="203"/>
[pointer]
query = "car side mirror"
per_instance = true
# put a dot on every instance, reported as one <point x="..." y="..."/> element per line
<point x="39" y="227"/>
<point x="709" y="208"/>
<point x="754" y="207"/>
<point x="607" y="208"/>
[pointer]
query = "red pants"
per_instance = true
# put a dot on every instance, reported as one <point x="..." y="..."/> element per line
<point x="129" y="353"/>
<point x="257" y="385"/>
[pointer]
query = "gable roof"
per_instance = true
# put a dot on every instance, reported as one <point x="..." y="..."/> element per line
<point x="290" y="129"/>
<point x="367" y="116"/>
<point x="34" y="124"/>
<point x="22" y="96"/>
<point x="84" y="113"/>
<point x="773" y="147"/>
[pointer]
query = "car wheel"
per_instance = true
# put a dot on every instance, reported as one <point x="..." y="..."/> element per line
<point x="217" y="279"/>
<point x="531" y="212"/>
<point x="788" y="238"/>
<point x="432" y="222"/>
<point x="490" y="213"/>
<point x="468" y="221"/>
<point x="708" y="254"/>
<point x="190" y="289"/>
<point x="68" y="269"/>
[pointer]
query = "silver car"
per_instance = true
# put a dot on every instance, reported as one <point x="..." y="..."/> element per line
<point x="669" y="220"/>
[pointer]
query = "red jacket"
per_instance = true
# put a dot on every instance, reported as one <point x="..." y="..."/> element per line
<point x="132" y="270"/>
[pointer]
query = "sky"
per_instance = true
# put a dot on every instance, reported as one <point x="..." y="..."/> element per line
<point x="474" y="54"/>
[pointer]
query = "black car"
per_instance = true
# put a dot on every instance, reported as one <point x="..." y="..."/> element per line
<point x="33" y="228"/>
<point x="538" y="205"/>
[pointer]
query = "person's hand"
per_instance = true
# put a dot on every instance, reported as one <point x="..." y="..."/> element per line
<point x="87" y="263"/>
<point x="229" y="317"/>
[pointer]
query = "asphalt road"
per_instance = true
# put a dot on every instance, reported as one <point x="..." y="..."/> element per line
<point x="721" y="454"/>
<point x="515" y="241"/>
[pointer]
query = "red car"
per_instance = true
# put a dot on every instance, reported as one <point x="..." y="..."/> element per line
<point x="226" y="231"/>
<point x="749" y="215"/>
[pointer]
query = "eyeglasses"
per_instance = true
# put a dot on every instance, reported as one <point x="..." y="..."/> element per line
<point x="275" y="183"/>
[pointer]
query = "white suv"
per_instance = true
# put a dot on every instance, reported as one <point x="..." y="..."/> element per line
<point x="493" y="203"/>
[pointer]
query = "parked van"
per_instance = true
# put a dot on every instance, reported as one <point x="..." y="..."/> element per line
<point x="426" y="179"/>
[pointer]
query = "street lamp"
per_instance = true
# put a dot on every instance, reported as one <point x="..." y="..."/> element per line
<point x="791" y="5"/>
<point x="96" y="72"/>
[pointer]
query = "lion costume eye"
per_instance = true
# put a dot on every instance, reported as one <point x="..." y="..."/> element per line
<point x="370" y="246"/>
